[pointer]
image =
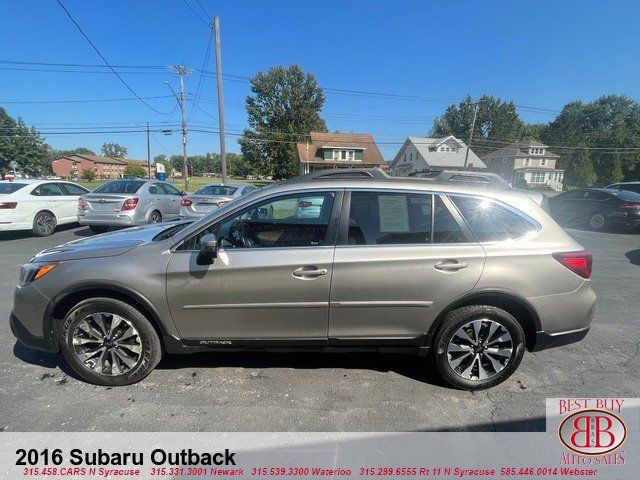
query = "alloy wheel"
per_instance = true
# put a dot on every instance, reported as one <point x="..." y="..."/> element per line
<point x="155" y="217"/>
<point x="45" y="225"/>
<point x="480" y="349"/>
<point x="597" y="221"/>
<point x="107" y="344"/>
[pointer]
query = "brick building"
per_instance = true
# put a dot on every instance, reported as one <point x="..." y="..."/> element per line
<point x="72" y="166"/>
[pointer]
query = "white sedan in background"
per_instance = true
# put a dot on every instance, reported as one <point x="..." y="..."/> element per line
<point x="38" y="205"/>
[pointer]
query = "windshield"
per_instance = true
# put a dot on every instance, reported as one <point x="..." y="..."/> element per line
<point x="120" y="186"/>
<point x="216" y="190"/>
<point x="10" y="187"/>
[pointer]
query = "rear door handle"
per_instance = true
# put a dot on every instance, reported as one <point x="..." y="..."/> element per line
<point x="450" y="265"/>
<point x="309" y="272"/>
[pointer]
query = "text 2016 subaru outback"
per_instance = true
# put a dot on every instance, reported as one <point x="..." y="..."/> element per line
<point x="332" y="261"/>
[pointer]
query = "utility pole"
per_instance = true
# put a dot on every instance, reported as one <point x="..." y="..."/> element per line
<point x="182" y="99"/>
<point x="473" y="126"/>
<point x="148" y="151"/>
<point x="223" y="148"/>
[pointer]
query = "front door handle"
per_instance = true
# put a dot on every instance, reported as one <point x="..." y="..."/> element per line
<point x="309" y="272"/>
<point x="450" y="265"/>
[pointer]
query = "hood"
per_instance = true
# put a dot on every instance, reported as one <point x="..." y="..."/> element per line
<point x="105" y="245"/>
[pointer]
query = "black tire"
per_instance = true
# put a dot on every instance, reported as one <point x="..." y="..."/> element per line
<point x="597" y="221"/>
<point x="44" y="224"/>
<point x="147" y="338"/>
<point x="456" y="319"/>
<point x="98" y="228"/>
<point x="155" y="217"/>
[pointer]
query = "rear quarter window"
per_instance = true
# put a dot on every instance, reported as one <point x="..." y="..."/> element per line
<point x="491" y="221"/>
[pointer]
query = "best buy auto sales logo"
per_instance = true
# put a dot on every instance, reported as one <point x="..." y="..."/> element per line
<point x="592" y="432"/>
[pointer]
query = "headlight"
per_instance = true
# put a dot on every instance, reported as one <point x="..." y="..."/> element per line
<point x="33" y="271"/>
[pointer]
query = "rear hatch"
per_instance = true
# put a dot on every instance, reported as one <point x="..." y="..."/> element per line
<point x="104" y="204"/>
<point x="205" y="203"/>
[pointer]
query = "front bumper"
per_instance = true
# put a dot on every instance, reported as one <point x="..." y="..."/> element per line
<point x="29" y="340"/>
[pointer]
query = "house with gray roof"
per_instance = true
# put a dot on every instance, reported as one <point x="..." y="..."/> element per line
<point x="527" y="162"/>
<point x="419" y="154"/>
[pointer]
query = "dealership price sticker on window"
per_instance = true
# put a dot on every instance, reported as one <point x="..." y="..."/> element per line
<point x="394" y="213"/>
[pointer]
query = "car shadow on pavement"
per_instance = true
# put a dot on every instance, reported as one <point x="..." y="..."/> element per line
<point x="85" y="232"/>
<point x="535" y="424"/>
<point x="43" y="359"/>
<point x="22" y="234"/>
<point x="633" y="256"/>
<point x="416" y="368"/>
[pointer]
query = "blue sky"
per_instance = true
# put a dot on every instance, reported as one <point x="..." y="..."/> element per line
<point x="541" y="54"/>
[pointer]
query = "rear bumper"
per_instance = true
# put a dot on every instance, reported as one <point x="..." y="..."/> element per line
<point x="116" y="220"/>
<point x="29" y="340"/>
<point x="546" y="340"/>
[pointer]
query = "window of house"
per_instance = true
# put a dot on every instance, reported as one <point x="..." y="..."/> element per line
<point x="491" y="221"/>
<point x="345" y="155"/>
<point x="543" y="162"/>
<point x="538" y="177"/>
<point x="299" y="220"/>
<point x="383" y="218"/>
<point x="526" y="162"/>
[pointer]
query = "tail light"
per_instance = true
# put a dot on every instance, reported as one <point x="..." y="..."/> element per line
<point x="579" y="263"/>
<point x="81" y="205"/>
<point x="185" y="202"/>
<point x="632" y="206"/>
<point x="130" y="204"/>
<point x="222" y="203"/>
<point x="8" y="205"/>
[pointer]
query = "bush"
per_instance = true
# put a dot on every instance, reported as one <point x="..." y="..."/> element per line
<point x="88" y="175"/>
<point x="135" y="171"/>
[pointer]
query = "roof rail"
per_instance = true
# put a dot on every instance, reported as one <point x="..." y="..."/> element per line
<point x="342" y="173"/>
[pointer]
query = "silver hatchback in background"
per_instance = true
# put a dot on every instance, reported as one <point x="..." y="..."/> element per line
<point x="211" y="197"/>
<point x="129" y="202"/>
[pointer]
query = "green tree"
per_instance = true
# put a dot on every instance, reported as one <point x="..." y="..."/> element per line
<point x="113" y="150"/>
<point x="590" y="135"/>
<point x="88" y="175"/>
<point x="283" y="107"/>
<point x="496" y="120"/>
<point x="133" y="170"/>
<point x="24" y="145"/>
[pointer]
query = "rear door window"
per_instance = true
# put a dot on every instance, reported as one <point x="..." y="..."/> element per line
<point x="170" y="189"/>
<point x="445" y="227"/>
<point x="595" y="195"/>
<point x="384" y="218"/>
<point x="75" y="190"/>
<point x="491" y="221"/>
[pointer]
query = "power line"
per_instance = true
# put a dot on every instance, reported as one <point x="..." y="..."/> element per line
<point x="204" y="64"/>
<point x="104" y="59"/>
<point x="196" y="13"/>
<point x="92" y="100"/>
<point x="205" y="12"/>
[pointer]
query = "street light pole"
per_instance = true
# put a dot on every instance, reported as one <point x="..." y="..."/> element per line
<point x="473" y="126"/>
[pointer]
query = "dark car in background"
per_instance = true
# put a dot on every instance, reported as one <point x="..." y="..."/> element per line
<point x="629" y="186"/>
<point x="596" y="208"/>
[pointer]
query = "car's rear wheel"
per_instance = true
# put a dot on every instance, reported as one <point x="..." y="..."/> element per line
<point x="108" y="342"/>
<point x="478" y="347"/>
<point x="44" y="224"/>
<point x="155" y="217"/>
<point x="98" y="228"/>
<point x="597" y="221"/>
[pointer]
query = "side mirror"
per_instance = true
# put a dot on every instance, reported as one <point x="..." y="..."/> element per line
<point x="208" y="249"/>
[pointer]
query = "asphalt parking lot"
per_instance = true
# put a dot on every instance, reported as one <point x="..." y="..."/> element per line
<point x="320" y="392"/>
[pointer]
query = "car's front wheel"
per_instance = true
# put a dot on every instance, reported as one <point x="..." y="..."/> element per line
<point x="108" y="342"/>
<point x="478" y="347"/>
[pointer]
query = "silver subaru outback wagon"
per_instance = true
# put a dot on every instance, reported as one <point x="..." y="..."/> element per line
<point x="467" y="278"/>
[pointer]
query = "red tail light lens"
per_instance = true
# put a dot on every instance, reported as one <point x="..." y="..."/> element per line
<point x="81" y="205"/>
<point x="8" y="205"/>
<point x="222" y="203"/>
<point x="185" y="202"/>
<point x="579" y="263"/>
<point x="633" y="206"/>
<point x="130" y="204"/>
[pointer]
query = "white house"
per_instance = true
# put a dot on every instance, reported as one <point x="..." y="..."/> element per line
<point x="419" y="153"/>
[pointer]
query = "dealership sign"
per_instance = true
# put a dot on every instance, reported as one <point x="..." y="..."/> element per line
<point x="592" y="432"/>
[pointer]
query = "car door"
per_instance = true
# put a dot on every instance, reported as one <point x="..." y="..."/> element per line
<point x="173" y="198"/>
<point x="402" y="256"/>
<point x="270" y="280"/>
<point x="159" y="199"/>
<point x="71" y="193"/>
<point x="52" y="198"/>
